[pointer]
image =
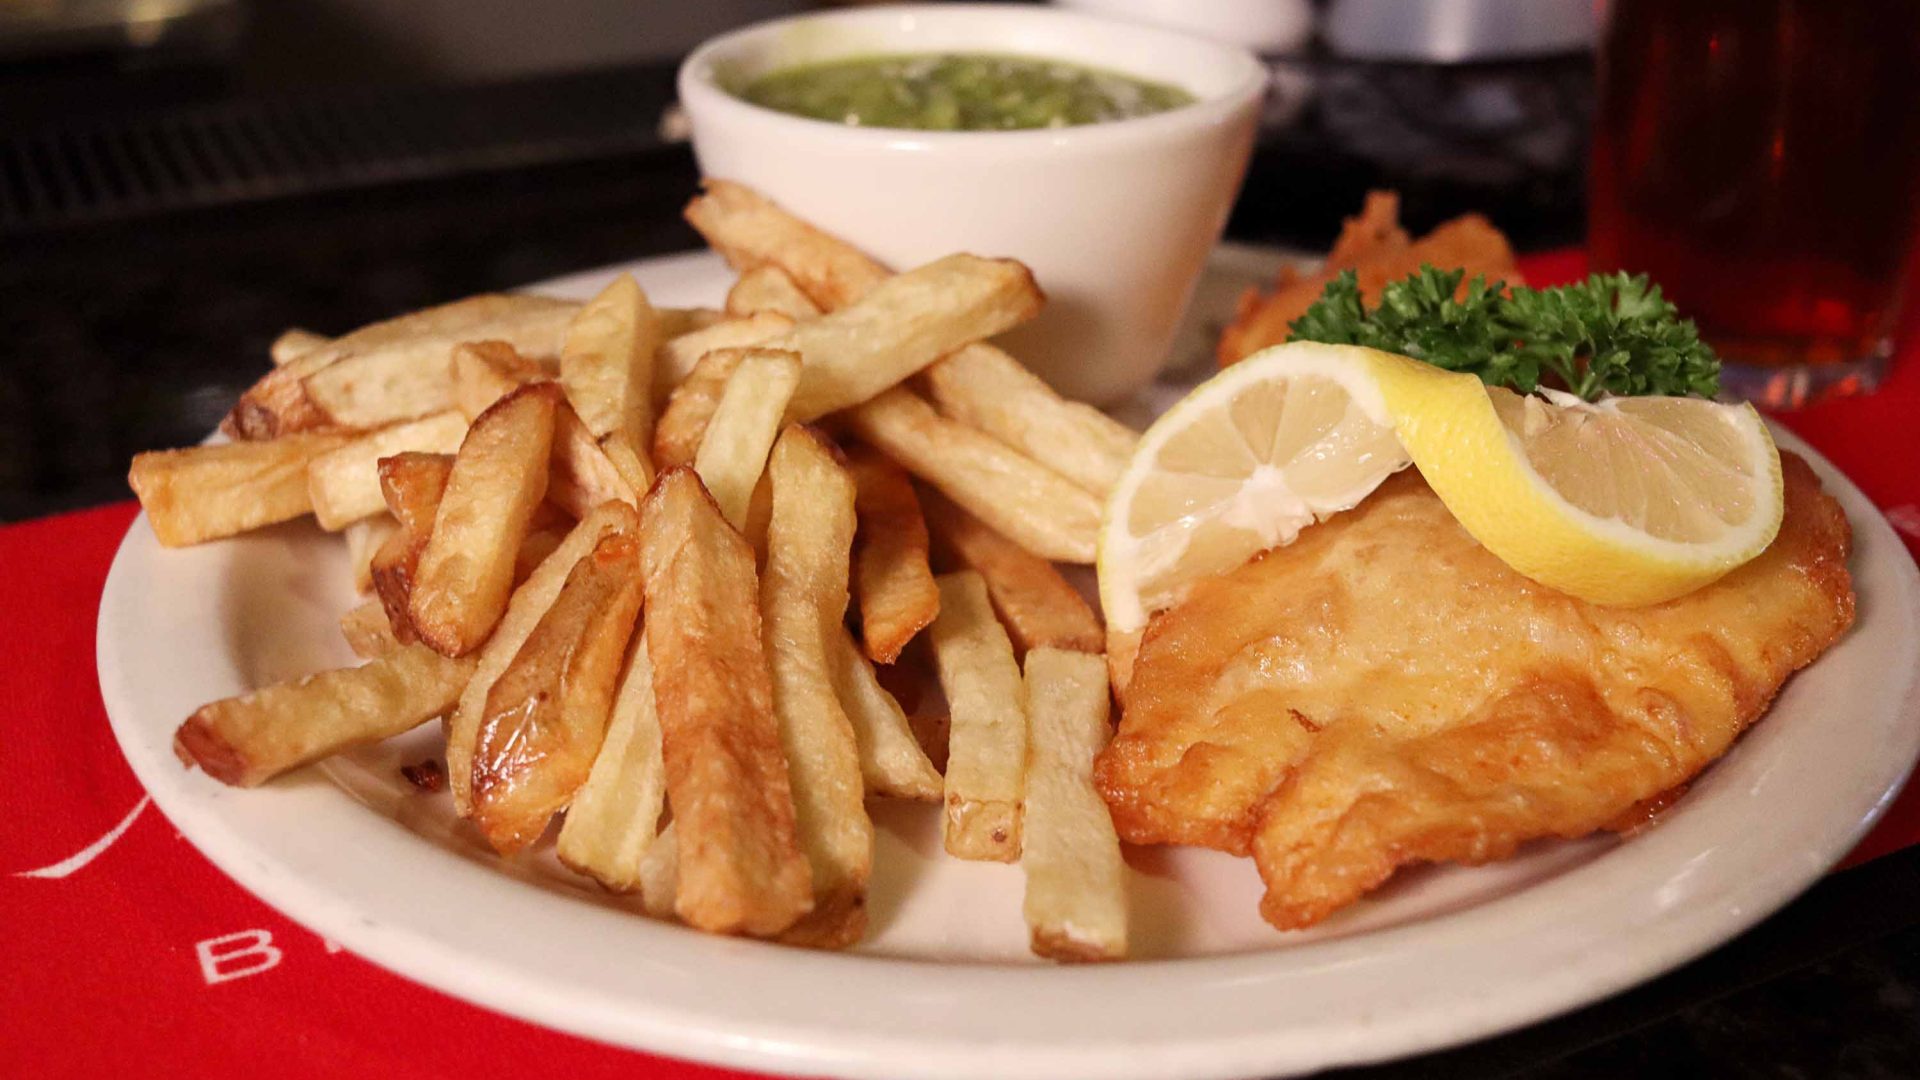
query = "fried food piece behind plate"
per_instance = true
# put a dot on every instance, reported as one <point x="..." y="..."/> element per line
<point x="1378" y="251"/>
<point x="1385" y="691"/>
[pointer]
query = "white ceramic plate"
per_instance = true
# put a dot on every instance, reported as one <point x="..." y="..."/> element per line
<point x="944" y="987"/>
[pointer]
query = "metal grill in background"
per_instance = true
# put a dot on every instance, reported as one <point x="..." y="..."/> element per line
<point x="239" y="151"/>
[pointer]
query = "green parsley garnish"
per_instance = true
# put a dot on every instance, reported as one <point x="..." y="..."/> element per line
<point x="1611" y="334"/>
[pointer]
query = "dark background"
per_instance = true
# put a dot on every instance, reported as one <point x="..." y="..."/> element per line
<point x="165" y="212"/>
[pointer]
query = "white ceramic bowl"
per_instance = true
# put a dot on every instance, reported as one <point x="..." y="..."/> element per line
<point x="1115" y="219"/>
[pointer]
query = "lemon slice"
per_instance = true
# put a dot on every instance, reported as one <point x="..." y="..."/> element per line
<point x="1267" y="447"/>
<point x="1623" y="501"/>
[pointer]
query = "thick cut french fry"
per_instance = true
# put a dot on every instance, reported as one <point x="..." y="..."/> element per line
<point x="683" y="423"/>
<point x="615" y="816"/>
<point x="412" y="485"/>
<point x="759" y="514"/>
<point x="592" y="477"/>
<point x="367" y="630"/>
<point x="483" y="372"/>
<point x="630" y="461"/>
<point x="208" y="492"/>
<point x="985" y="388"/>
<point x="741" y="869"/>
<point x="660" y="874"/>
<point x="904" y="324"/>
<point x="744" y="226"/>
<point x="606" y="364"/>
<point x="252" y="738"/>
<point x="363" y="392"/>
<point x="499" y="478"/>
<point x="364" y="538"/>
<point x="392" y="570"/>
<point x="547" y="712"/>
<point x="1037" y="606"/>
<point x="345" y="483"/>
<point x="278" y="404"/>
<point x="987" y="740"/>
<point x="407" y="374"/>
<point x="1076" y="904"/>
<point x="803" y="599"/>
<point x="584" y="474"/>
<point x="769" y="288"/>
<point x="293" y="342"/>
<point x="890" y="574"/>
<point x="524" y="611"/>
<point x="978" y="384"/>
<point x="733" y="450"/>
<point x="891" y="758"/>
<point x="1022" y="499"/>
<point x="677" y="357"/>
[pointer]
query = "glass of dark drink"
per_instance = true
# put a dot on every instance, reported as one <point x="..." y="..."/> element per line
<point x="1760" y="159"/>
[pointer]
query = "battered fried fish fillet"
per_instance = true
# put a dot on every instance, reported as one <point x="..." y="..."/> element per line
<point x="1378" y="251"/>
<point x="1384" y="691"/>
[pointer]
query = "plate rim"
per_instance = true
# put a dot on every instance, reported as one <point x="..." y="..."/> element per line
<point x="799" y="1044"/>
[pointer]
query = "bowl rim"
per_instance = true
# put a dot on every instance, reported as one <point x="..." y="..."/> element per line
<point x="700" y="94"/>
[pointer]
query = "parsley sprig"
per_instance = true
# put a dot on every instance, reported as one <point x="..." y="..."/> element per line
<point x="1611" y="334"/>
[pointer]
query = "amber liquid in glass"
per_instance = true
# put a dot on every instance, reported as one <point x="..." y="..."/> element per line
<point x="1761" y="160"/>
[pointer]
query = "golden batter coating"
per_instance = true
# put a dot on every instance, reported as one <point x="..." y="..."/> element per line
<point x="1384" y="691"/>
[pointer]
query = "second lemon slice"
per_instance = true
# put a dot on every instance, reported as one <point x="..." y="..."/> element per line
<point x="1624" y="501"/>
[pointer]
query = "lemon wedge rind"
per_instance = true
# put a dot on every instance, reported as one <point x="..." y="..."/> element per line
<point x="1480" y="470"/>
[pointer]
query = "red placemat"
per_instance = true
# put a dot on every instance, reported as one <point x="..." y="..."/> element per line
<point x="127" y="954"/>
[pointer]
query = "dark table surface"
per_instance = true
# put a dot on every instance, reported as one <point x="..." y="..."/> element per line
<point x="136" y="327"/>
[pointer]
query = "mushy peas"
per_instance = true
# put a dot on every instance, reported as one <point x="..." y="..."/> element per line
<point x="960" y="92"/>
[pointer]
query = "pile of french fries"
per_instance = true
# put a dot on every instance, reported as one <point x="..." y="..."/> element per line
<point x="656" y="570"/>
